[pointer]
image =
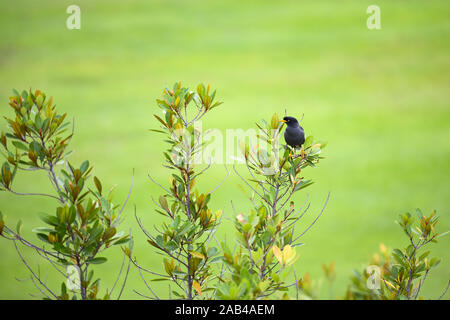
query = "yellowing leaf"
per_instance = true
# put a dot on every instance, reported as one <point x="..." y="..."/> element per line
<point x="197" y="254"/>
<point x="289" y="255"/>
<point x="383" y="248"/>
<point x="197" y="287"/>
<point x="275" y="121"/>
<point x="169" y="266"/>
<point x="390" y="284"/>
<point x="263" y="285"/>
<point x="217" y="214"/>
<point x="278" y="254"/>
<point x="163" y="203"/>
<point x="51" y="238"/>
<point x="48" y="112"/>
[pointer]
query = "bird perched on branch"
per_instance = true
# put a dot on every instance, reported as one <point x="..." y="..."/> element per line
<point x="294" y="134"/>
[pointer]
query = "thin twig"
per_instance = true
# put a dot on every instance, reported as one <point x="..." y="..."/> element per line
<point x="445" y="291"/>
<point x="128" y="196"/>
<point x="143" y="295"/>
<point x="296" y="284"/>
<point x="128" y="268"/>
<point x="328" y="197"/>
<point x="158" y="184"/>
<point x="32" y="194"/>
<point x="32" y="272"/>
<point x="142" y="276"/>
<point x="226" y="177"/>
<point x="253" y="189"/>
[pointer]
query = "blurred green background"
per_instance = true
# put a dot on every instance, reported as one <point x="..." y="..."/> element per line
<point x="380" y="98"/>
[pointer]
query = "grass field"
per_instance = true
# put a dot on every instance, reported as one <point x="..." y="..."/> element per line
<point x="380" y="98"/>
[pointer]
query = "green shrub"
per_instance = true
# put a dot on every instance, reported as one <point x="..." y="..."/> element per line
<point x="401" y="272"/>
<point x="85" y="221"/>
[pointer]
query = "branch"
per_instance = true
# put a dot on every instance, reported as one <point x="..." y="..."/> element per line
<point x="55" y="180"/>
<point x="121" y="268"/>
<point x="28" y="244"/>
<point x="328" y="197"/>
<point x="296" y="284"/>
<point x="142" y="276"/>
<point x="300" y="216"/>
<point x="143" y="295"/>
<point x="226" y="177"/>
<point x="253" y="189"/>
<point x="33" y="194"/>
<point x="158" y="184"/>
<point x="32" y="272"/>
<point x="443" y="294"/>
<point x="128" y="196"/>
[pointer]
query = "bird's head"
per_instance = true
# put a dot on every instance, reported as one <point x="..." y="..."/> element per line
<point x="290" y="121"/>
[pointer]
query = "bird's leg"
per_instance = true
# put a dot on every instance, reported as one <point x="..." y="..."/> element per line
<point x="302" y="152"/>
<point x="290" y="152"/>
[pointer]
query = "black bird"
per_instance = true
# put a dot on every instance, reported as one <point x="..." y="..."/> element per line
<point x="294" y="134"/>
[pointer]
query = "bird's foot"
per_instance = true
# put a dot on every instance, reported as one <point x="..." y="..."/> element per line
<point x="302" y="152"/>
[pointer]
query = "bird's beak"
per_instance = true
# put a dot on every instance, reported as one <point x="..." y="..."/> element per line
<point x="283" y="121"/>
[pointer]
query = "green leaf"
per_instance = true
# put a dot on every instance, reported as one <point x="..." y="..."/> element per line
<point x="159" y="241"/>
<point x="60" y="248"/>
<point x="48" y="219"/>
<point x="184" y="228"/>
<point x="105" y="205"/>
<point x="398" y="255"/>
<point x="216" y="259"/>
<point x="19" y="226"/>
<point x="98" y="185"/>
<point x="122" y="241"/>
<point x="98" y="260"/>
<point x="308" y="142"/>
<point x="63" y="289"/>
<point x="163" y="203"/>
<point x="84" y="166"/>
<point x="435" y="261"/>
<point x="424" y="255"/>
<point x="177" y="294"/>
<point x="43" y="237"/>
<point x="38" y="121"/>
<point x="158" y="131"/>
<point x="159" y="279"/>
<point x="19" y="145"/>
<point x="161" y="120"/>
<point x="303" y="184"/>
<point x="171" y="245"/>
<point x="42" y="230"/>
<point x="212" y="251"/>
